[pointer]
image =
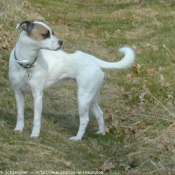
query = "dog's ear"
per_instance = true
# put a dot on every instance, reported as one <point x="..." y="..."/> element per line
<point x="26" y="25"/>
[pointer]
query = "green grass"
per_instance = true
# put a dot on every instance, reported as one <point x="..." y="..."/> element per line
<point x="138" y="103"/>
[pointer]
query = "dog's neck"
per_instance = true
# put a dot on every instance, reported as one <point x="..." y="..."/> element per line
<point x="25" y="54"/>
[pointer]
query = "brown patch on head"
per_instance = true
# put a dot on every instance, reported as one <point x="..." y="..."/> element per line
<point x="39" y="32"/>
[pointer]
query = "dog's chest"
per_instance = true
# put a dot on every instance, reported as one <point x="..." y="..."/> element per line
<point x="24" y="74"/>
<point x="20" y="77"/>
<point x="27" y="76"/>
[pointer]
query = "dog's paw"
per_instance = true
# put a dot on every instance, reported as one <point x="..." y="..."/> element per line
<point x="100" y="132"/>
<point x="34" y="135"/>
<point x="35" y="132"/>
<point x="75" y="138"/>
<point x="19" y="128"/>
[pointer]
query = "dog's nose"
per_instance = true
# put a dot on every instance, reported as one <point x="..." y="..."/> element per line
<point x="60" y="42"/>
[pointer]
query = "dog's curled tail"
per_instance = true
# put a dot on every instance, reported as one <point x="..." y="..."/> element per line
<point x="126" y="62"/>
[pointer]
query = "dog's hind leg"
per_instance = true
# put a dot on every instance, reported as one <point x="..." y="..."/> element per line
<point x="20" y="111"/>
<point x="98" y="115"/>
<point x="83" y="105"/>
<point x="88" y="89"/>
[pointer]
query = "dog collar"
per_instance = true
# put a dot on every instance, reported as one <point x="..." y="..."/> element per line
<point x="23" y="64"/>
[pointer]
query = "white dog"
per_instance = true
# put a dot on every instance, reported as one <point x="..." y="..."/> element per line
<point x="37" y="62"/>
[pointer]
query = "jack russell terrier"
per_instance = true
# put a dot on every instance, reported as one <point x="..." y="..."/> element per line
<point x="37" y="62"/>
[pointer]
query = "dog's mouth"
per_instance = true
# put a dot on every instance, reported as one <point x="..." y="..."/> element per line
<point x="58" y="48"/>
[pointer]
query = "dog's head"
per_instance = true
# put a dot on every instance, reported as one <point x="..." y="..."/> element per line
<point x="40" y="35"/>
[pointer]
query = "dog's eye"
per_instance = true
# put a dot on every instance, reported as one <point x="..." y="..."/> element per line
<point x="46" y="35"/>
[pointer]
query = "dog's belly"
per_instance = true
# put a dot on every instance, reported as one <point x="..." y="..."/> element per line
<point x="51" y="83"/>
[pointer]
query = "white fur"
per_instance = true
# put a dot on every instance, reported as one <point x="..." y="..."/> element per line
<point x="54" y="67"/>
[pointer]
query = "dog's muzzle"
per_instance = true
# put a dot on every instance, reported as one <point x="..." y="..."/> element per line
<point x="60" y="43"/>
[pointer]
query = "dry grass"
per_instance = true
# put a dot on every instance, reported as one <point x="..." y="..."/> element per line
<point x="138" y="103"/>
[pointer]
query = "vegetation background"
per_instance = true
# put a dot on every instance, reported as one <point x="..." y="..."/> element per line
<point x="138" y="103"/>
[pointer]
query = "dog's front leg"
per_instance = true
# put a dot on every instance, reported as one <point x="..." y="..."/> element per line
<point x="37" y="97"/>
<point x="20" y="111"/>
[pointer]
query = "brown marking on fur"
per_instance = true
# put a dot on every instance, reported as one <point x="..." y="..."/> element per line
<point x="39" y="32"/>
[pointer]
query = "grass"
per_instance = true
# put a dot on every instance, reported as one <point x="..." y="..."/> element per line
<point x="138" y="103"/>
